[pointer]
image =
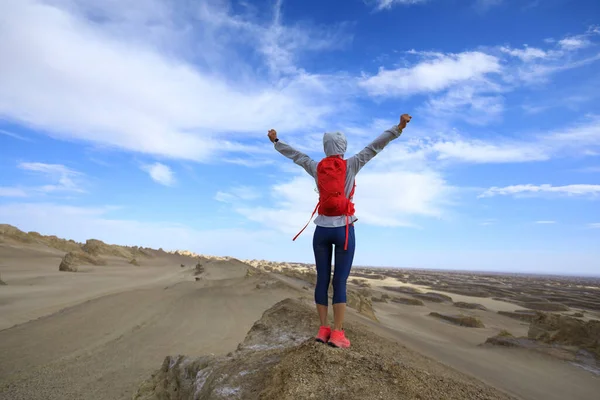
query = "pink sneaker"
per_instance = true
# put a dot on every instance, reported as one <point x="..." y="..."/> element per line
<point x="338" y="339"/>
<point x="323" y="335"/>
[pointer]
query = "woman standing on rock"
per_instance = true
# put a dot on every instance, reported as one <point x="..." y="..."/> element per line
<point x="335" y="176"/>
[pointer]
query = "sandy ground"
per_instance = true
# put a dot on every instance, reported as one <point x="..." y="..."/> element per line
<point x="37" y="288"/>
<point x="520" y="373"/>
<point x="123" y="327"/>
<point x="99" y="333"/>
<point x="487" y="302"/>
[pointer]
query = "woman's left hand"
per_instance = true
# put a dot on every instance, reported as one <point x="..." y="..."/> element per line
<point x="272" y="135"/>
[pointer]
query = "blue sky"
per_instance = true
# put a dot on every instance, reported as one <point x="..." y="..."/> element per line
<point x="145" y="123"/>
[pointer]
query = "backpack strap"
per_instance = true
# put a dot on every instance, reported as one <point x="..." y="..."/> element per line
<point x="347" y="228"/>
<point x="348" y="217"/>
<point x="352" y="191"/>
<point x="305" y="226"/>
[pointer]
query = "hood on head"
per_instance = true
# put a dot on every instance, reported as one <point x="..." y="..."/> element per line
<point x="334" y="143"/>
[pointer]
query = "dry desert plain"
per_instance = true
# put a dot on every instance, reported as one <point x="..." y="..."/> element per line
<point x="98" y="321"/>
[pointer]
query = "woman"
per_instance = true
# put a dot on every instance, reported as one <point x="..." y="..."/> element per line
<point x="335" y="228"/>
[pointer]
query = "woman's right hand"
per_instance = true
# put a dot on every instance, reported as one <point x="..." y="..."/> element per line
<point x="272" y="135"/>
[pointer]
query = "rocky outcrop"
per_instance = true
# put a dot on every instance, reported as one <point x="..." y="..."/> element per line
<point x="72" y="260"/>
<point x="251" y="271"/>
<point x="403" y="289"/>
<point x="2" y="282"/>
<point x="564" y="330"/>
<point x="433" y="297"/>
<point x="559" y="336"/>
<point x="408" y="301"/>
<point x="11" y="233"/>
<point x="378" y="299"/>
<point x="511" y="341"/>
<point x="279" y="360"/>
<point x="92" y="246"/>
<point x="97" y="247"/>
<point x="306" y="276"/>
<point x="521" y="315"/>
<point x="470" y="306"/>
<point x="199" y="269"/>
<point x="135" y="262"/>
<point x="361" y="302"/>
<point x="360" y="283"/>
<point x="271" y="284"/>
<point x="461" y="320"/>
<point x="185" y="253"/>
<point x="368" y="275"/>
<point x="545" y="306"/>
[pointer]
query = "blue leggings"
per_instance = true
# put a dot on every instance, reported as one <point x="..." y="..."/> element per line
<point x="323" y="241"/>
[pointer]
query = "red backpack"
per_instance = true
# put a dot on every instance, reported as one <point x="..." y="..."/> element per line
<point x="331" y="182"/>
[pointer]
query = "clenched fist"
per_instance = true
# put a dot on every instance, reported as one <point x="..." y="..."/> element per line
<point x="272" y="135"/>
<point x="404" y="119"/>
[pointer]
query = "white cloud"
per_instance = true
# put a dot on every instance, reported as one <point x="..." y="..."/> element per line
<point x="478" y="151"/>
<point x="484" y="5"/>
<point x="471" y="86"/>
<point x="592" y="169"/>
<point x="526" y="54"/>
<point x="103" y="74"/>
<point x="432" y="75"/>
<point x="594" y="225"/>
<point x="160" y="173"/>
<point x="532" y="190"/>
<point x="579" y="138"/>
<point x="538" y="64"/>
<point x="12" y="192"/>
<point x="49" y="169"/>
<point x="479" y="99"/>
<point x="291" y="204"/>
<point x="540" y="72"/>
<point x="64" y="179"/>
<point x="583" y="134"/>
<point x="248" y="162"/>
<point x="531" y="109"/>
<point x="413" y="194"/>
<point x="238" y="194"/>
<point x="280" y="44"/>
<point x="574" y="43"/>
<point x="14" y="135"/>
<point x="468" y="103"/>
<point x="388" y="4"/>
<point x="545" y="222"/>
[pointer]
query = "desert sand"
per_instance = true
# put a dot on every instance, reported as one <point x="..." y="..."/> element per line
<point x="189" y="326"/>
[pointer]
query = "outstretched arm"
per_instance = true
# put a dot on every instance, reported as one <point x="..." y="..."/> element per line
<point x="298" y="157"/>
<point x="356" y="162"/>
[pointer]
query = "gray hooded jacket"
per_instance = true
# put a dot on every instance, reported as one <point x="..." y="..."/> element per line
<point x="335" y="143"/>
